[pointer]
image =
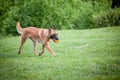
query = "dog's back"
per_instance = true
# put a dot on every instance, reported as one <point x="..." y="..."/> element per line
<point x="32" y="32"/>
<point x="28" y="30"/>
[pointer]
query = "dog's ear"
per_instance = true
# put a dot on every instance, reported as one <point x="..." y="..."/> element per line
<point x="49" y="30"/>
<point x="54" y="27"/>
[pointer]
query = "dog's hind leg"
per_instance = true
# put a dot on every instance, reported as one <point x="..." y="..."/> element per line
<point x="43" y="46"/>
<point x="23" y="39"/>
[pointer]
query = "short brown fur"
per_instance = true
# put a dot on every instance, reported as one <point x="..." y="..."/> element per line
<point x="39" y="35"/>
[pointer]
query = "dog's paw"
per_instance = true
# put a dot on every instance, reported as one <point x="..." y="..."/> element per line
<point x="39" y="54"/>
<point x="36" y="54"/>
<point x="19" y="52"/>
<point x="54" y="55"/>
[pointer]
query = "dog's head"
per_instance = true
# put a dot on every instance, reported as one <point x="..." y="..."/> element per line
<point x="53" y="35"/>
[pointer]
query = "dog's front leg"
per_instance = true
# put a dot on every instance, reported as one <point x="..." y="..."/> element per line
<point x="43" y="46"/>
<point x="48" y="47"/>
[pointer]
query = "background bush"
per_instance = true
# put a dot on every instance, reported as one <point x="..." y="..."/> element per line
<point x="64" y="14"/>
<point x="107" y="18"/>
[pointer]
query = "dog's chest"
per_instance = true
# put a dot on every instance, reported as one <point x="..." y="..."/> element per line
<point x="39" y="36"/>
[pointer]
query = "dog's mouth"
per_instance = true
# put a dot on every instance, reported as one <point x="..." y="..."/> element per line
<point x="54" y="38"/>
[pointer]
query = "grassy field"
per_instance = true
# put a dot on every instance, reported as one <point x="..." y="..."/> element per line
<point x="92" y="54"/>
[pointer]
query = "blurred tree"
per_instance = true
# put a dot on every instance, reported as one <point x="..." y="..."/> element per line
<point x="5" y="6"/>
<point x="65" y="14"/>
<point x="93" y="2"/>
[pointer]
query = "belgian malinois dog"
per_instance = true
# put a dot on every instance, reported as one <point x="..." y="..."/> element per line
<point x="37" y="35"/>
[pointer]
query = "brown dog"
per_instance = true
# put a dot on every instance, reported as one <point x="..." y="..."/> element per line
<point x="39" y="35"/>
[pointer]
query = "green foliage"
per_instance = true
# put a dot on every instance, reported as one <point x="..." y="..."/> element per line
<point x="5" y="6"/>
<point x="99" y="60"/>
<point x="43" y="13"/>
<point x="107" y="18"/>
<point x="65" y="14"/>
<point x="84" y="17"/>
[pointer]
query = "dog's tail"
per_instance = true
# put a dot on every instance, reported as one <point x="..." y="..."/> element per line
<point x="19" y="29"/>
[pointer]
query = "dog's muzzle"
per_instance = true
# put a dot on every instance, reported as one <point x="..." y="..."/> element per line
<point x="54" y="37"/>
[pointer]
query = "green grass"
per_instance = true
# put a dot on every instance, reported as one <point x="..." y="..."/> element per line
<point x="99" y="60"/>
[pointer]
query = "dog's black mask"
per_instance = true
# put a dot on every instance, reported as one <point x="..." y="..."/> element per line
<point x="54" y="37"/>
